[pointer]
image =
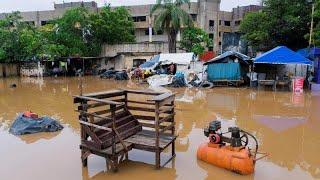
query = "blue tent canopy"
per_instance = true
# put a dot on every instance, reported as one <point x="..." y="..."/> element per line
<point x="309" y="52"/>
<point x="281" y="55"/>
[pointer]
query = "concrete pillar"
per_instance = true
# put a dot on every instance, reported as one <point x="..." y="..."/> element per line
<point x="150" y="29"/>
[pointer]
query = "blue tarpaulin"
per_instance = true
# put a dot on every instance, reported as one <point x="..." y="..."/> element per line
<point x="281" y="55"/>
<point x="224" y="71"/>
<point x="151" y="63"/>
<point x="25" y="125"/>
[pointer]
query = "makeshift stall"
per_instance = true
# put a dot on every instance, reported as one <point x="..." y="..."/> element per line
<point x="286" y="63"/>
<point x="228" y="68"/>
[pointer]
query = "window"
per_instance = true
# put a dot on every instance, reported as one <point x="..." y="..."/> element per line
<point x="139" y="18"/>
<point x="146" y="32"/>
<point x="138" y="62"/>
<point x="210" y="48"/>
<point x="211" y="22"/>
<point x="227" y="23"/>
<point x="219" y="33"/>
<point x="220" y="43"/>
<point x="220" y="22"/>
<point x="44" y="23"/>
<point x="211" y="36"/>
<point x="194" y="17"/>
<point x="237" y="23"/>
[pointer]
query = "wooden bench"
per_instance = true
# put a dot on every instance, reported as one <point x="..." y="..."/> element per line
<point x="115" y="122"/>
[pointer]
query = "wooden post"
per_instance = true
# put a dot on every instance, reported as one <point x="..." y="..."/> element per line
<point x="126" y="100"/>
<point x="173" y="148"/>
<point x="157" y="135"/>
<point x="84" y="136"/>
<point x="113" y="116"/>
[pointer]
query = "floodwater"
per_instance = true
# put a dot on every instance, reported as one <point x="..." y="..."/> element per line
<point x="286" y="125"/>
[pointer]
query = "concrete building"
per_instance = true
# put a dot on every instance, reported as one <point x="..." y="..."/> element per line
<point x="205" y="13"/>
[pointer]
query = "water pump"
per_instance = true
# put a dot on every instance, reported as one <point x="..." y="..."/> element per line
<point x="238" y="137"/>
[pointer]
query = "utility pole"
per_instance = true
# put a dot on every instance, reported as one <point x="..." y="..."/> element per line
<point x="311" y="26"/>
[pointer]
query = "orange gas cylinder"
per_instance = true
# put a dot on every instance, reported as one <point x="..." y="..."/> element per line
<point x="236" y="159"/>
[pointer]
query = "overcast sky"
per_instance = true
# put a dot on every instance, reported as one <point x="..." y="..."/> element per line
<point x="32" y="5"/>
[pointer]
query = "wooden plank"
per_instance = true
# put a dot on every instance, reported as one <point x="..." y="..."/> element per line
<point x="107" y="151"/>
<point x="94" y="105"/>
<point x="142" y="92"/>
<point x="167" y="100"/>
<point x="93" y="136"/>
<point x="141" y="109"/>
<point x="166" y="109"/>
<point x="95" y="115"/>
<point x="166" y="119"/>
<point x="95" y="126"/>
<point x="167" y="128"/>
<point x="108" y="110"/>
<point x="141" y="102"/>
<point x="150" y="125"/>
<point x="143" y="117"/>
<point x="97" y="100"/>
<point x="161" y="97"/>
<point x="148" y="139"/>
<point x="105" y="94"/>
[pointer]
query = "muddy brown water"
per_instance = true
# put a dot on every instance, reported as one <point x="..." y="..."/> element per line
<point x="287" y="126"/>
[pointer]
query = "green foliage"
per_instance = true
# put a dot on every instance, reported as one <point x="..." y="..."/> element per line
<point x="281" y="22"/>
<point x="316" y="35"/>
<point x="194" y="40"/>
<point x="76" y="33"/>
<point x="73" y="31"/>
<point x="171" y="18"/>
<point x="113" y="26"/>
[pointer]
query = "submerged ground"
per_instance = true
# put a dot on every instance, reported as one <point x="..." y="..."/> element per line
<point x="287" y="126"/>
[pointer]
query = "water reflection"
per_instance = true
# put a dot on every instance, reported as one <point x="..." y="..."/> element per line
<point x="285" y="124"/>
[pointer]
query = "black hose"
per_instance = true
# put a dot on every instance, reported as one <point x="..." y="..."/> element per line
<point x="257" y="145"/>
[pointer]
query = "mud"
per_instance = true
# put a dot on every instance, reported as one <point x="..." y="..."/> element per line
<point x="287" y="126"/>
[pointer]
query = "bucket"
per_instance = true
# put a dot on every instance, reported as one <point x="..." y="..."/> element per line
<point x="297" y="84"/>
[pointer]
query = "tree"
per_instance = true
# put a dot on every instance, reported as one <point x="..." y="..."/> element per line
<point x="281" y="22"/>
<point x="316" y="35"/>
<point x="171" y="18"/>
<point x="18" y="40"/>
<point x="113" y="26"/>
<point x="255" y="28"/>
<point x="76" y="33"/>
<point x="9" y="44"/>
<point x="194" y="40"/>
<point x="73" y="31"/>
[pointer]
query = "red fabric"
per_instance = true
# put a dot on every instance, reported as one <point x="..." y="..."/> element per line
<point x="30" y="114"/>
<point x="207" y="56"/>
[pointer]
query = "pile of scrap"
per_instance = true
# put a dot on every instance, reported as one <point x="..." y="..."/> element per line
<point x="114" y="74"/>
<point x="174" y="70"/>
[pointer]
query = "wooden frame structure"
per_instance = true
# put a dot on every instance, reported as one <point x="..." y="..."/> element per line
<point x="115" y="122"/>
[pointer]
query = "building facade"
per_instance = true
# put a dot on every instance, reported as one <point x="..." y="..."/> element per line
<point x="205" y="13"/>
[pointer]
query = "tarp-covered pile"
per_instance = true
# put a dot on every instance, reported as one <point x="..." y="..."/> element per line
<point x="27" y="125"/>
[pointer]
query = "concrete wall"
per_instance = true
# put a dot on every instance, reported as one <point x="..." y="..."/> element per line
<point x="8" y="69"/>
<point x="155" y="47"/>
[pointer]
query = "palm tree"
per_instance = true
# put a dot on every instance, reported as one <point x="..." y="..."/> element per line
<point x="171" y="18"/>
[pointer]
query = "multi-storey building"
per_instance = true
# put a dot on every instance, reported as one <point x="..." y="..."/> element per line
<point x="205" y="13"/>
